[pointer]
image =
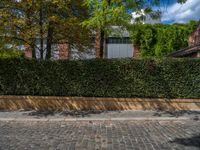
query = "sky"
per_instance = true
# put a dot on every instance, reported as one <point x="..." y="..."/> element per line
<point x="173" y="12"/>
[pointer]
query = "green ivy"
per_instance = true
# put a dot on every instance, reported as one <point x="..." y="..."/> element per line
<point x="158" y="40"/>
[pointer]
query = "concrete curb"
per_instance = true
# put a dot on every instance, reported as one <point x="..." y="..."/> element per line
<point x="94" y="119"/>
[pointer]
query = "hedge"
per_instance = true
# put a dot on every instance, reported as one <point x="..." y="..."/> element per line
<point x="145" y="78"/>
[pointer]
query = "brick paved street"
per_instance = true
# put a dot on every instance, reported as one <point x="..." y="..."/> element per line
<point x="90" y="135"/>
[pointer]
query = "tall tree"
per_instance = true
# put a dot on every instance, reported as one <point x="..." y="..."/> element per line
<point x="30" y="21"/>
<point x="18" y="22"/>
<point x="107" y="13"/>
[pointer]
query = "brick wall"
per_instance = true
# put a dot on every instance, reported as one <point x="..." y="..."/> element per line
<point x="136" y="51"/>
<point x="27" y="52"/>
<point x="198" y="54"/>
<point x="194" y="37"/>
<point x="64" y="50"/>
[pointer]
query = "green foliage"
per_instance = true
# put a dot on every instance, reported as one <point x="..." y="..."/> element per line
<point x="181" y="1"/>
<point x="159" y="39"/>
<point x="106" y="13"/>
<point x="164" y="78"/>
<point x="10" y="53"/>
<point x="24" y="21"/>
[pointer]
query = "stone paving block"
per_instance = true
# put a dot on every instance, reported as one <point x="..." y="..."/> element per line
<point x="91" y="135"/>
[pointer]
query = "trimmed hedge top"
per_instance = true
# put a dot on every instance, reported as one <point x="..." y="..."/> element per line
<point x="167" y="78"/>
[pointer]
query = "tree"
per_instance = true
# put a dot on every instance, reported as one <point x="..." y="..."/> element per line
<point x="104" y="14"/>
<point x="51" y="22"/>
<point x="19" y="22"/>
<point x="67" y="25"/>
<point x="107" y="13"/>
<point x="24" y="22"/>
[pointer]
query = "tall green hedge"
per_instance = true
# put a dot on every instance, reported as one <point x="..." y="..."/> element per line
<point x="166" y="78"/>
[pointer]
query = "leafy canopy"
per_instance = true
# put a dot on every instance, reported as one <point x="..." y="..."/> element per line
<point x="20" y="21"/>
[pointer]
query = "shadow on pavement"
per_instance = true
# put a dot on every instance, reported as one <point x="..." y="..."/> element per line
<point x="176" y="113"/>
<point x="195" y="115"/>
<point x="193" y="141"/>
<point x="65" y="113"/>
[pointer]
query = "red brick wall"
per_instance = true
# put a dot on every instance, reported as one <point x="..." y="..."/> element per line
<point x="194" y="37"/>
<point x="27" y="52"/>
<point x="64" y="49"/>
<point x="198" y="54"/>
<point x="136" y="51"/>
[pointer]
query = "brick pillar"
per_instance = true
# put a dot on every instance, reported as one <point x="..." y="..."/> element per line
<point x="64" y="49"/>
<point x="97" y="44"/>
<point x="136" y="51"/>
<point x="198" y="54"/>
<point x="191" y="40"/>
<point x="27" y="52"/>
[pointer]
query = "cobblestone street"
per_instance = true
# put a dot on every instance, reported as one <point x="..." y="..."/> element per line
<point x="91" y="135"/>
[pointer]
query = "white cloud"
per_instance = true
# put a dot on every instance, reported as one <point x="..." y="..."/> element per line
<point x="182" y="13"/>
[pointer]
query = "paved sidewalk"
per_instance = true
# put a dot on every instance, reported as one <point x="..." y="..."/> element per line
<point x="96" y="130"/>
<point x="99" y="115"/>
<point x="100" y="135"/>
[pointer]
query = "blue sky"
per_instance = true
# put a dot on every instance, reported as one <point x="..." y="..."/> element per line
<point x="173" y="12"/>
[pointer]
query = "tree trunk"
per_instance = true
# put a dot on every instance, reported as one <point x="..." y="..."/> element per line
<point x="100" y="40"/>
<point x="41" y="34"/>
<point x="99" y="43"/>
<point x="29" y="22"/>
<point x="49" y="40"/>
<point x="33" y="48"/>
